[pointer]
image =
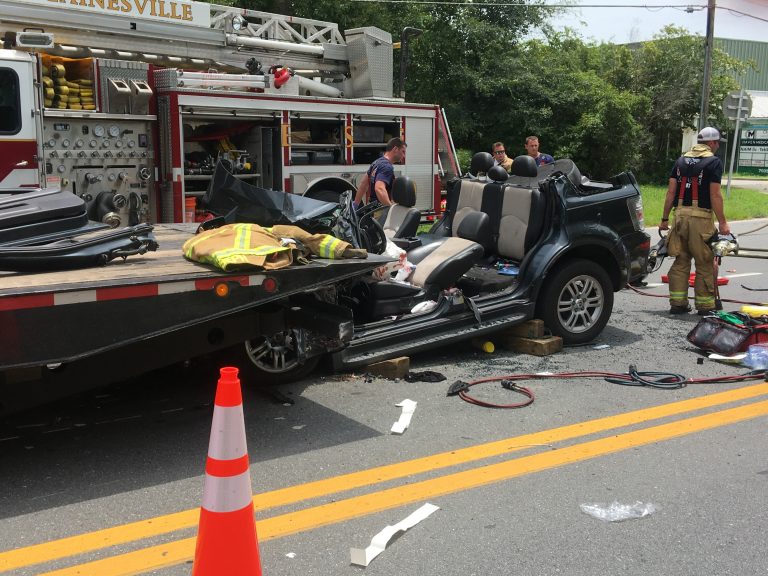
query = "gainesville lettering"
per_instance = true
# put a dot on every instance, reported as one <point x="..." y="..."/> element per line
<point x="158" y="8"/>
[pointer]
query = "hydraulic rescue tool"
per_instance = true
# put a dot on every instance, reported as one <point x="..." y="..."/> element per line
<point x="657" y="254"/>
<point x="723" y="245"/>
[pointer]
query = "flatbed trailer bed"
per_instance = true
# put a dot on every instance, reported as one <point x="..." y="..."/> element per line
<point x="154" y="309"/>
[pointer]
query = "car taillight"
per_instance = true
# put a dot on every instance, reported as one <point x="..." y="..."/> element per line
<point x="635" y="205"/>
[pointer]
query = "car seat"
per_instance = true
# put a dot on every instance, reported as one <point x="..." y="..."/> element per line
<point x="437" y="268"/>
<point x="480" y="164"/>
<point x="401" y="220"/>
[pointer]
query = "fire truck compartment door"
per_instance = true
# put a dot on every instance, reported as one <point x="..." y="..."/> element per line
<point x="18" y="138"/>
<point x="420" y="159"/>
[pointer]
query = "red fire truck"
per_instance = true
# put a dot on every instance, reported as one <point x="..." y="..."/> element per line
<point x="129" y="104"/>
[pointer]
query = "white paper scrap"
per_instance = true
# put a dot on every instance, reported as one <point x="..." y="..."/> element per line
<point x="409" y="406"/>
<point x="735" y="358"/>
<point x="380" y="541"/>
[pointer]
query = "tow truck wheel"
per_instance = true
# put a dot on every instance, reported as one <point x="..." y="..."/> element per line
<point x="277" y="356"/>
<point x="577" y="301"/>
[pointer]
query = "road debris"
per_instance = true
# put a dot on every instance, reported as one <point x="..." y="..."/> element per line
<point x="409" y="407"/>
<point x="379" y="542"/>
<point x="616" y="512"/>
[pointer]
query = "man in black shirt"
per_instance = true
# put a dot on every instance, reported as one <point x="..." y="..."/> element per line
<point x="694" y="194"/>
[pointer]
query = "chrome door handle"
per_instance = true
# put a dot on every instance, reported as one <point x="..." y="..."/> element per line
<point x="21" y="164"/>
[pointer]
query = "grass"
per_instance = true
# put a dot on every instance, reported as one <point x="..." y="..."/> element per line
<point x="743" y="204"/>
<point x="748" y="176"/>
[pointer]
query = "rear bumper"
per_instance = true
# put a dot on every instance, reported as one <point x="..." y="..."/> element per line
<point x="638" y="247"/>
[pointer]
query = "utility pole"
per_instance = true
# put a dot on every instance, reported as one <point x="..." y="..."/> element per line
<point x="704" y="110"/>
<point x="405" y="55"/>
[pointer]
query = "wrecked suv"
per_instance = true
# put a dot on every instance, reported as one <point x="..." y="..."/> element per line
<point x="540" y="243"/>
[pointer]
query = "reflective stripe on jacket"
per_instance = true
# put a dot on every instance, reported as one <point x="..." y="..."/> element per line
<point x="323" y="245"/>
<point x="238" y="246"/>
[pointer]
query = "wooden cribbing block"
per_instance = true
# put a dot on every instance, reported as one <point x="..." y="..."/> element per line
<point x="536" y="346"/>
<point x="394" y="368"/>
<point x="528" y="329"/>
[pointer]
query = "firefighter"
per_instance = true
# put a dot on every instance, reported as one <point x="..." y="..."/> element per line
<point x="377" y="184"/>
<point x="694" y="194"/>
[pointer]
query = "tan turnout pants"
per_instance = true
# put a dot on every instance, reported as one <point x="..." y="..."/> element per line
<point x="688" y="239"/>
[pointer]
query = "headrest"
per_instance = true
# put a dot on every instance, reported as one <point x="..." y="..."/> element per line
<point x="476" y="226"/>
<point x="481" y="163"/>
<point x="497" y="173"/>
<point x="524" y="166"/>
<point x="404" y="191"/>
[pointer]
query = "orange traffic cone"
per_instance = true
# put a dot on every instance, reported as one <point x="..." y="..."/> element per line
<point x="226" y="537"/>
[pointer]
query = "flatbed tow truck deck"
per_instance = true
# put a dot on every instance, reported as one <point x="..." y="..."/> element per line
<point x="49" y="318"/>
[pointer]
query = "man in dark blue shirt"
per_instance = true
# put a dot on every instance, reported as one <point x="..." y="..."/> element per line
<point x="532" y="147"/>
<point x="377" y="184"/>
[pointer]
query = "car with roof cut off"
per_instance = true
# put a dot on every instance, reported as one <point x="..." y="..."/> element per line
<point x="540" y="242"/>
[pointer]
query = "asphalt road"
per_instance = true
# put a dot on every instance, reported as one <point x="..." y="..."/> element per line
<point x="509" y="483"/>
<point x="759" y="185"/>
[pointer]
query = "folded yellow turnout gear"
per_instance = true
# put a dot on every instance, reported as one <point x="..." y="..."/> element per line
<point x="238" y="246"/>
<point x="322" y="245"/>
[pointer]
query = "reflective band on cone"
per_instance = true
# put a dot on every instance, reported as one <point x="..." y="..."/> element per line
<point x="226" y="537"/>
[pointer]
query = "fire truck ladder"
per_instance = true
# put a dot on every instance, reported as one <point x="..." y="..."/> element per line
<point x="233" y="37"/>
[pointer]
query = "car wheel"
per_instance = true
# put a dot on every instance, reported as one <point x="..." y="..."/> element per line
<point x="577" y="301"/>
<point x="277" y="357"/>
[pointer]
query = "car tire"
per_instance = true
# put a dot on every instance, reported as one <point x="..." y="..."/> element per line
<point x="276" y="359"/>
<point x="576" y="301"/>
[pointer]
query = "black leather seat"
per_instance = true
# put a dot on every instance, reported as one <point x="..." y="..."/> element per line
<point x="402" y="220"/>
<point x="445" y="264"/>
<point x="439" y="265"/>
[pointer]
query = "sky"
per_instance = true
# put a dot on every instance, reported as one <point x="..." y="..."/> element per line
<point x="634" y="24"/>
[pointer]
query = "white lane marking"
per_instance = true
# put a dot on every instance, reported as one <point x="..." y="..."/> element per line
<point x="744" y="275"/>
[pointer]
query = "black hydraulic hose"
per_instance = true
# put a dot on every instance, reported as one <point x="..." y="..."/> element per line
<point x="755" y="230"/>
<point x="643" y="293"/>
<point x="663" y="380"/>
<point x="657" y="380"/>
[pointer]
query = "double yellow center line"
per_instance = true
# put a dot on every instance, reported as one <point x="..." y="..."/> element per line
<point x="175" y="552"/>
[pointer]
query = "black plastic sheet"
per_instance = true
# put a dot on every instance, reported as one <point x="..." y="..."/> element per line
<point x="239" y="201"/>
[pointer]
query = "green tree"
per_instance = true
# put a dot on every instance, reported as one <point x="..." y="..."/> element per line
<point x="609" y="107"/>
<point x="669" y="72"/>
<point x="458" y="61"/>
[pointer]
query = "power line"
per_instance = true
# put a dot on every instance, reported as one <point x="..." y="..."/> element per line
<point x="687" y="7"/>
<point x="740" y="13"/>
<point x="684" y="7"/>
